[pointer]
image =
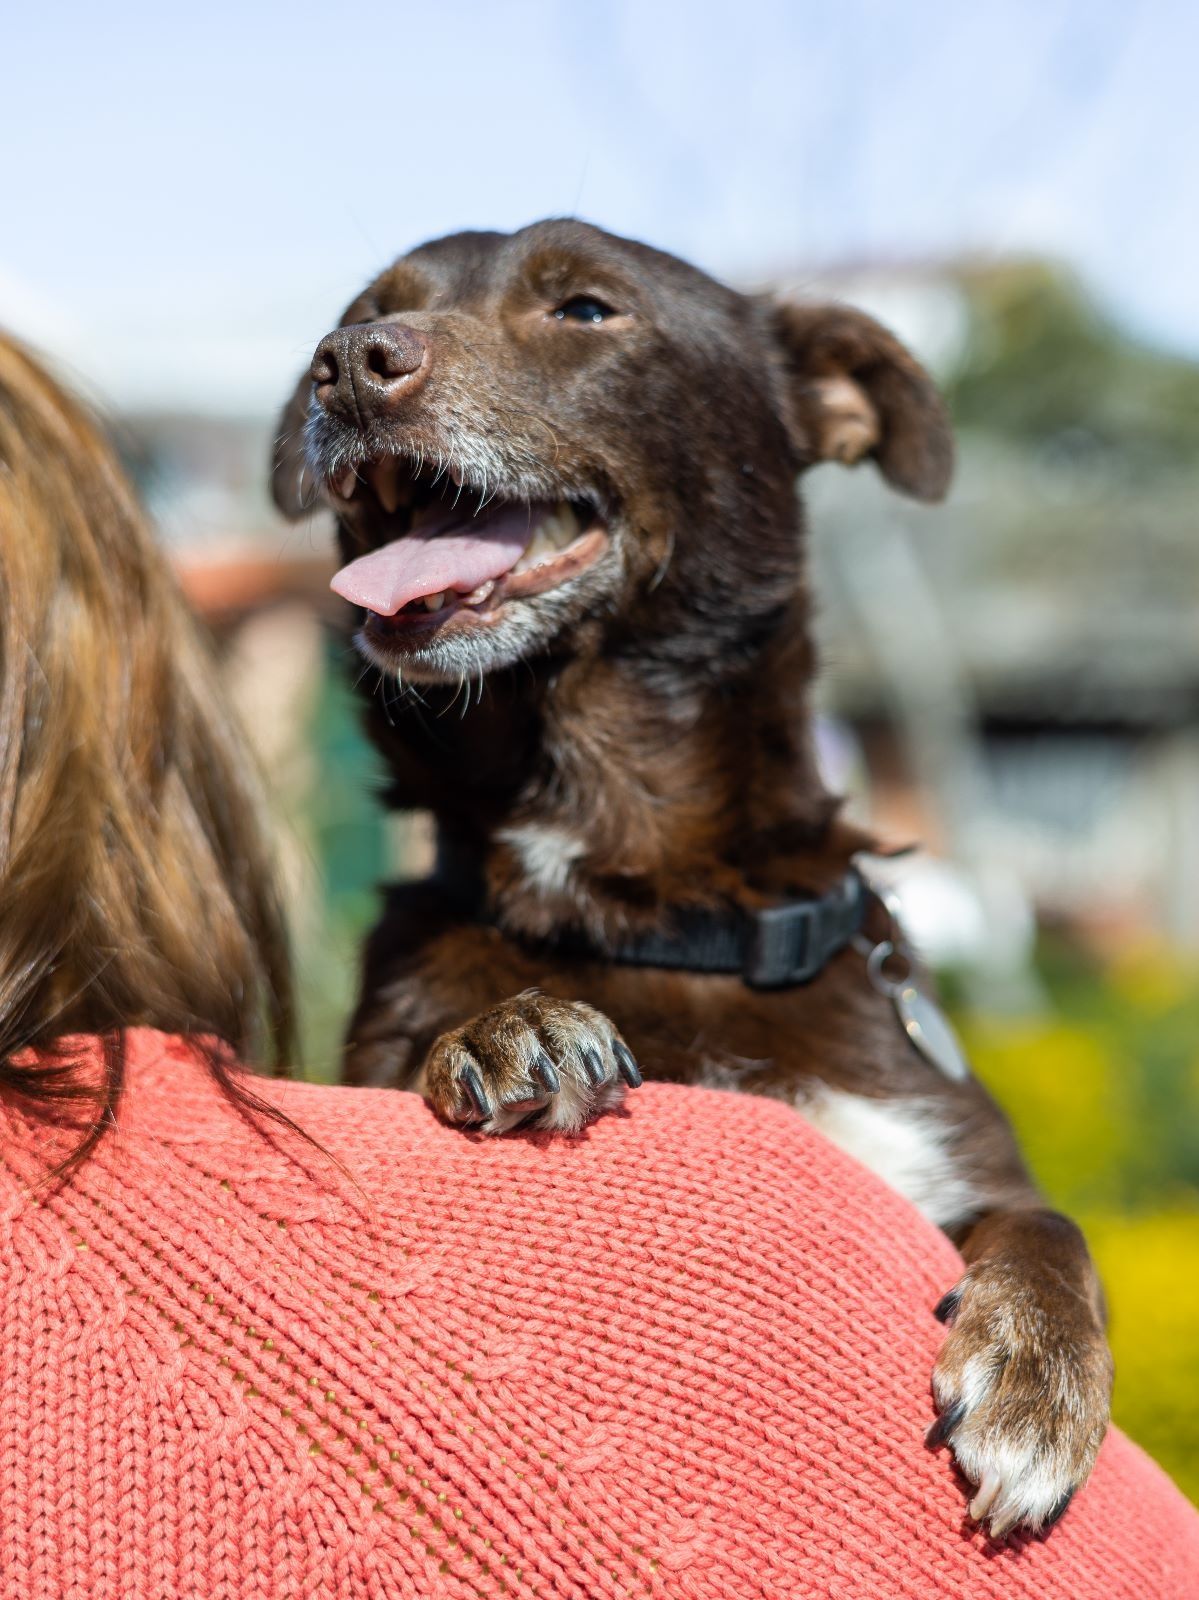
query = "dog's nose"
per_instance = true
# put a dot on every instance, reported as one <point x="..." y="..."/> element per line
<point x="358" y="372"/>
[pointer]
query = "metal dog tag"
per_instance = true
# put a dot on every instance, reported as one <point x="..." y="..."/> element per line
<point x="920" y="1017"/>
<point x="930" y="1030"/>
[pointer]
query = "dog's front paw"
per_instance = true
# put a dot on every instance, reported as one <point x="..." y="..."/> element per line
<point x="1023" y="1386"/>
<point x="549" y="1063"/>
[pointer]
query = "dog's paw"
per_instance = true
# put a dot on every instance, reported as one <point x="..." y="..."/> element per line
<point x="532" y="1060"/>
<point x="1023" y="1386"/>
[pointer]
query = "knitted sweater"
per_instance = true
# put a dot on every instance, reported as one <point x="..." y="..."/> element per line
<point x="685" y="1354"/>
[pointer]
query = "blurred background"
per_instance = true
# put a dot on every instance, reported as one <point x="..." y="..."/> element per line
<point x="192" y="195"/>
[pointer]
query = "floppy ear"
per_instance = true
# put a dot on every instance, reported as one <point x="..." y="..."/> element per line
<point x="292" y="486"/>
<point x="854" y="391"/>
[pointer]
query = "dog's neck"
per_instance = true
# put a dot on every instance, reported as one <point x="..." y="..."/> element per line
<point x="596" y="791"/>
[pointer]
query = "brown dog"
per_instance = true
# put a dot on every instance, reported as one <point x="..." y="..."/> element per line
<point x="563" y="467"/>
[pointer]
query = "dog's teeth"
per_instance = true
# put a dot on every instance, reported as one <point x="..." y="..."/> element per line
<point x="555" y="531"/>
<point x="434" y="602"/>
<point x="347" y="484"/>
<point x="477" y="596"/>
<point x="539" y="549"/>
<point x="386" y="481"/>
<point x="562" y="527"/>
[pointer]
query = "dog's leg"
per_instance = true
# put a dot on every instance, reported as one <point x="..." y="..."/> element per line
<point x="532" y="1059"/>
<point x="1023" y="1382"/>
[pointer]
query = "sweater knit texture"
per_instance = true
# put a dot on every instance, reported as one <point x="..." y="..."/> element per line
<point x="684" y="1354"/>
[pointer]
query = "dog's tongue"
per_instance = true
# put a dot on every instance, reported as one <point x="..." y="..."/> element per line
<point x="426" y="562"/>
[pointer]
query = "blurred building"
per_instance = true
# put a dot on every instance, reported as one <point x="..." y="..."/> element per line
<point x="1022" y="665"/>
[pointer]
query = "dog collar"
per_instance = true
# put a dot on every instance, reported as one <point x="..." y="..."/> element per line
<point x="773" y="947"/>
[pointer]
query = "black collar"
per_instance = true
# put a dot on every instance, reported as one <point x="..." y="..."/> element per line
<point x="774" y="947"/>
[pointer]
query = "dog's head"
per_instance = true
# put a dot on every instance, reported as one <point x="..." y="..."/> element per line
<point x="560" y="435"/>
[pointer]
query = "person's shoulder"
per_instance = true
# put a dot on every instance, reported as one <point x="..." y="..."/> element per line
<point x="698" y="1141"/>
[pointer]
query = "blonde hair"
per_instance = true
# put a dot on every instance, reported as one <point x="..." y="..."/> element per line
<point x="136" y="882"/>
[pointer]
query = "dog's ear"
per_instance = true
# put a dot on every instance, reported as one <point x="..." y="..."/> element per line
<point x="292" y="486"/>
<point x="854" y="391"/>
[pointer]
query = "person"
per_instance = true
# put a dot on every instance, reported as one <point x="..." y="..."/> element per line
<point x="265" y="1339"/>
<point x="135" y="883"/>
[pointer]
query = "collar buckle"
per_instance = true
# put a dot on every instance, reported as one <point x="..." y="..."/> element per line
<point x="780" y="947"/>
<point x="789" y="944"/>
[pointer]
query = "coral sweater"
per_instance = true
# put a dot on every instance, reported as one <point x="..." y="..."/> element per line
<point x="685" y="1354"/>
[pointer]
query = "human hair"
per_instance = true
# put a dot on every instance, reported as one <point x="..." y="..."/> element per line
<point x="136" y="874"/>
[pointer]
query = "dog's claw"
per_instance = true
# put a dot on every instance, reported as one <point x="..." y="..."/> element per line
<point x="593" y="1065"/>
<point x="947" y="1305"/>
<point x="544" y="1070"/>
<point x="985" y="1496"/>
<point x="473" y="1084"/>
<point x="1058" y="1511"/>
<point x="945" y="1424"/>
<point x="629" y="1070"/>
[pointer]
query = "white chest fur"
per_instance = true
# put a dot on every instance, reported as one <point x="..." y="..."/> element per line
<point x="547" y="854"/>
<point x="904" y="1141"/>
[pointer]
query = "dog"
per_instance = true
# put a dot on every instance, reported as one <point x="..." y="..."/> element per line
<point x="563" y="467"/>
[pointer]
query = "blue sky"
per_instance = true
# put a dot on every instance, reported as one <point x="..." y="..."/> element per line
<point x="191" y="194"/>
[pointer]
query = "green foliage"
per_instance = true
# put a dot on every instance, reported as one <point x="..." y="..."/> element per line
<point x="344" y="822"/>
<point x="1104" y="1095"/>
<point x="1045" y="368"/>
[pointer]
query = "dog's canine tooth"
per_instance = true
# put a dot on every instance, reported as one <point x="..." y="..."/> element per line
<point x="434" y="602"/>
<point x="552" y="534"/>
<point x="554" y="531"/>
<point x="385" y="476"/>
<point x="562" y="526"/>
<point x="347" y="483"/>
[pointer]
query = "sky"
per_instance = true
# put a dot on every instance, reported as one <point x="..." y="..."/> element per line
<point x="191" y="194"/>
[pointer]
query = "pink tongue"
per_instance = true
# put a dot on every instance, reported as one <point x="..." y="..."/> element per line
<point x="426" y="563"/>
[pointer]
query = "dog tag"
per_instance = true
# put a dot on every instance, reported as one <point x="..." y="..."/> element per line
<point x="930" y="1030"/>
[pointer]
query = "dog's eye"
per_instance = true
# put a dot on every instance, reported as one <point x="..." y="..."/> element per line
<point x="583" y="308"/>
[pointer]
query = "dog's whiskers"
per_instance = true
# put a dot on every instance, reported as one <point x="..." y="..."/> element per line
<point x="664" y="564"/>
<point x="381" y="691"/>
